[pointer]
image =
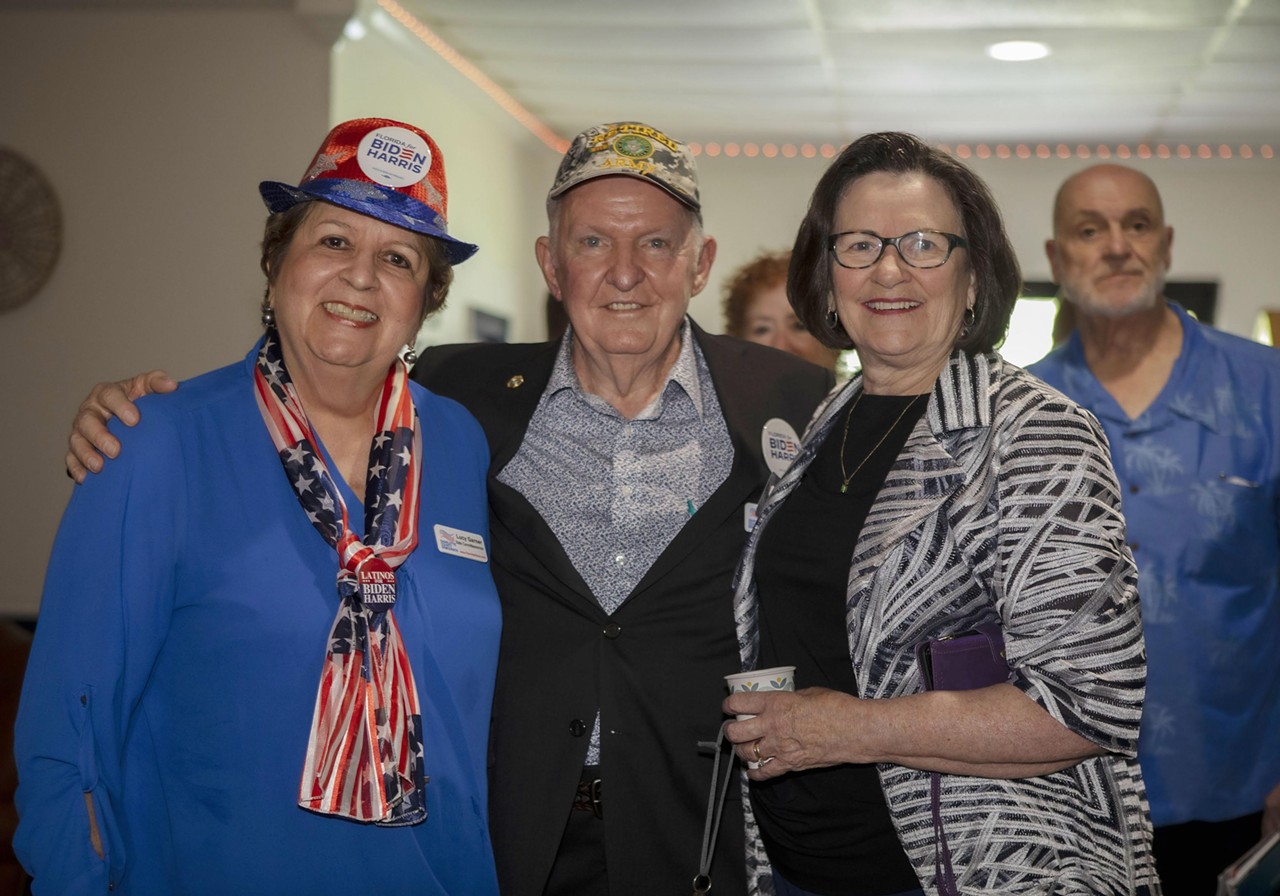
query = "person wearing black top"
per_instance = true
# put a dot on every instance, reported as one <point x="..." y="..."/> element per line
<point x="939" y="489"/>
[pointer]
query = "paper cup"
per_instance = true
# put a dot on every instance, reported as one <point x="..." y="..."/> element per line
<point x="777" y="678"/>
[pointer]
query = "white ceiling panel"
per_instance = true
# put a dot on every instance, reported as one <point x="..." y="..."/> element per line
<point x="965" y="14"/>
<point x="1121" y="71"/>
<point x="826" y="70"/>
<point x="1257" y="43"/>
<point x="648" y="45"/>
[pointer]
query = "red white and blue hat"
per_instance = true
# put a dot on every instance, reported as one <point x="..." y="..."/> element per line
<point x="385" y="169"/>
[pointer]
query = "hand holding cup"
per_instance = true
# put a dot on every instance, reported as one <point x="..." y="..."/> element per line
<point x="775" y="678"/>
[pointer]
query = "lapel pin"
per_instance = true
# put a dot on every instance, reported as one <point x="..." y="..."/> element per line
<point x="515" y="382"/>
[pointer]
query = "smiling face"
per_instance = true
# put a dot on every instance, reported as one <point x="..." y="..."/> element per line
<point x="1111" y="248"/>
<point x="770" y="320"/>
<point x="348" y="293"/>
<point x="625" y="258"/>
<point x="904" y="321"/>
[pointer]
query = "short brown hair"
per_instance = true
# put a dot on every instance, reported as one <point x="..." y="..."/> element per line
<point x="281" y="227"/>
<point x="991" y="257"/>
<point x="760" y="273"/>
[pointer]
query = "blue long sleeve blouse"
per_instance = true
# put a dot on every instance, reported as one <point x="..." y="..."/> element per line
<point x="179" y="647"/>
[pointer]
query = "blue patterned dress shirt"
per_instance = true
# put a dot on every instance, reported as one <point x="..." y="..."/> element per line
<point x="616" y="491"/>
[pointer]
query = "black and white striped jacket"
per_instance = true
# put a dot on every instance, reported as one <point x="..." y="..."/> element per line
<point x="1003" y="505"/>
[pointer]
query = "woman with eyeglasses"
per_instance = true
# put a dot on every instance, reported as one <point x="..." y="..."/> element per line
<point x="940" y="489"/>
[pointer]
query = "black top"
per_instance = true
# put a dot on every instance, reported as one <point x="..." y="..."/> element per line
<point x="828" y="830"/>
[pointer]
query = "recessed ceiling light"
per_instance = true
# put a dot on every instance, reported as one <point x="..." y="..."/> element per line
<point x="354" y="30"/>
<point x="1018" y="50"/>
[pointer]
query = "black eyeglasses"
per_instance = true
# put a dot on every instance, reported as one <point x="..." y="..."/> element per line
<point x="919" y="248"/>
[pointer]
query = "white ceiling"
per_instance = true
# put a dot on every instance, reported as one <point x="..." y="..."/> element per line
<point x="825" y="71"/>
<point x="1122" y="72"/>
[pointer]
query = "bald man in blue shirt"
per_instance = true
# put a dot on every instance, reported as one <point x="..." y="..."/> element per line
<point x="1193" y="417"/>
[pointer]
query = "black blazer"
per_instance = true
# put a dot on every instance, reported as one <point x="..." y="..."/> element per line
<point x="654" y="668"/>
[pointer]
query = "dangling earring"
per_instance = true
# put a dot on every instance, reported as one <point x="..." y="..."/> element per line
<point x="268" y="315"/>
<point x="967" y="320"/>
<point x="833" y="319"/>
<point x="409" y="356"/>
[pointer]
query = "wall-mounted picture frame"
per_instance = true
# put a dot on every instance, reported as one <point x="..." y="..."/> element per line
<point x="487" y="327"/>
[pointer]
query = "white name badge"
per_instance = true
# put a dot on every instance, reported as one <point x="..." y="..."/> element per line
<point x="748" y="517"/>
<point x="779" y="444"/>
<point x="460" y="544"/>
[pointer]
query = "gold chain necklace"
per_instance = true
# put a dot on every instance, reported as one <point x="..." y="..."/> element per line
<point x="845" y="479"/>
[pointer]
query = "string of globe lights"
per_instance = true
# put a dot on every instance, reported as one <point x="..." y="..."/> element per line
<point x="1025" y="151"/>
<point x="1004" y="151"/>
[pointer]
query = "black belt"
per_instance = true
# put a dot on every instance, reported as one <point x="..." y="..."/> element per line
<point x="587" y="798"/>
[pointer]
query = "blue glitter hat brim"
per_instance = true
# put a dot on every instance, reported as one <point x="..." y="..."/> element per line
<point x="382" y="203"/>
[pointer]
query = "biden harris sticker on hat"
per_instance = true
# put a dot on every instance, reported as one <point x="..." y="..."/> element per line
<point x="394" y="157"/>
<point x="385" y="169"/>
<point x="779" y="444"/>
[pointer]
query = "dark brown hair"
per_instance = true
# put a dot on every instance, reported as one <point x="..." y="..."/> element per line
<point x="760" y="273"/>
<point x="990" y="256"/>
<point x="281" y="227"/>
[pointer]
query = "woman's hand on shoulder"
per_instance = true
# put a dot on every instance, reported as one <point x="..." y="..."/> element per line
<point x="90" y="441"/>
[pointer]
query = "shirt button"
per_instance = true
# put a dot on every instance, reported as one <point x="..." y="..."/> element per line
<point x="577" y="727"/>
<point x="625" y="491"/>
<point x="1133" y="546"/>
<point x="620" y="559"/>
<point x="1133" y="489"/>
<point x="612" y="630"/>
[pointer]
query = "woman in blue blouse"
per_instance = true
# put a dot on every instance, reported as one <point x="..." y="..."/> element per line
<point x="267" y="644"/>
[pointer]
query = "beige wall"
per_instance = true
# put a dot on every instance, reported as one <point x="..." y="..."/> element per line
<point x="1221" y="211"/>
<point x="155" y="128"/>
<point x="496" y="169"/>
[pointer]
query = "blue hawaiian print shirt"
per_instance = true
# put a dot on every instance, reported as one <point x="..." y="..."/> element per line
<point x="1200" y="476"/>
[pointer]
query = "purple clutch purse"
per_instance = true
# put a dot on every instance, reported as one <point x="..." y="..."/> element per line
<point x="963" y="662"/>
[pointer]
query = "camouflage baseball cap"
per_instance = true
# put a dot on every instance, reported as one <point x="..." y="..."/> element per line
<point x="635" y="149"/>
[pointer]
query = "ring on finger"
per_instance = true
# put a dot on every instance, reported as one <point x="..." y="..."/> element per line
<point x="755" y="749"/>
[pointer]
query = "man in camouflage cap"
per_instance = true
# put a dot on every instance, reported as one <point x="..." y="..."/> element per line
<point x="629" y="147"/>
<point x="625" y="458"/>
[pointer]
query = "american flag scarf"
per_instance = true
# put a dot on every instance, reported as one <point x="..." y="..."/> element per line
<point x="364" y="757"/>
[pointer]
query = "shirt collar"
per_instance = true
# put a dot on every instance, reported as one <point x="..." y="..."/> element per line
<point x="683" y="374"/>
<point x="1195" y="367"/>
